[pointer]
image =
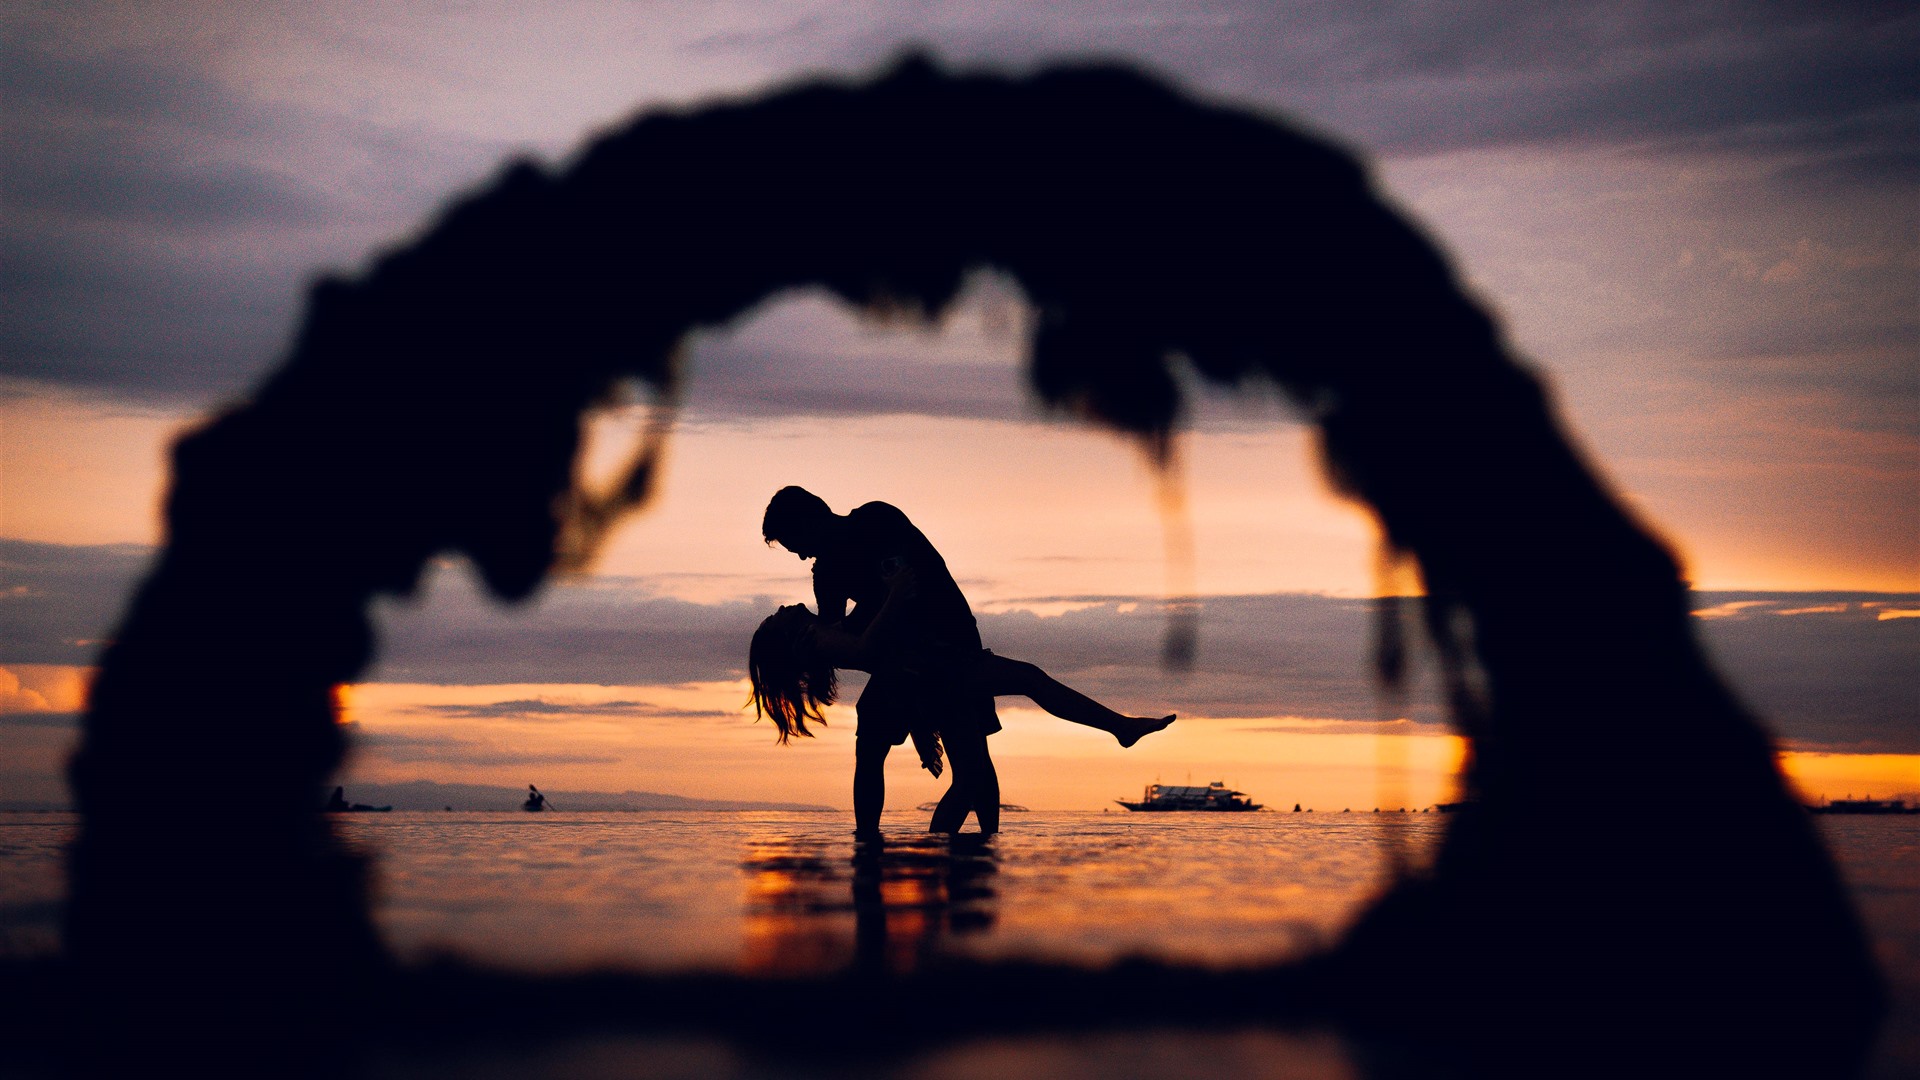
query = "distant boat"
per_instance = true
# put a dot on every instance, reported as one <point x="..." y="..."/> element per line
<point x="1866" y="806"/>
<point x="337" y="804"/>
<point x="1214" y="797"/>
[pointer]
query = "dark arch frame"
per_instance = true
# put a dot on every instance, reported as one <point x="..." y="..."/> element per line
<point x="433" y="404"/>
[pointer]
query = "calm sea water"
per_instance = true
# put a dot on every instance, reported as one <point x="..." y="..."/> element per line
<point x="790" y="892"/>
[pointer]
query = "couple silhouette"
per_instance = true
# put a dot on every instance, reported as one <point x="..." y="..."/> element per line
<point x="911" y="629"/>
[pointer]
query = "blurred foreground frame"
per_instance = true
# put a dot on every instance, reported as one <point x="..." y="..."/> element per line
<point x="1632" y="885"/>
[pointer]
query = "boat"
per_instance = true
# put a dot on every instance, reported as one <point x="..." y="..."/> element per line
<point x="337" y="804"/>
<point x="1866" y="806"/>
<point x="1214" y="797"/>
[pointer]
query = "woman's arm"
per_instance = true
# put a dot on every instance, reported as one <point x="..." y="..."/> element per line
<point x="829" y="595"/>
<point x="861" y="651"/>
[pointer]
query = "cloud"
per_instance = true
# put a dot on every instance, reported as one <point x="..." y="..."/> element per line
<point x="58" y="721"/>
<point x="810" y="355"/>
<point x="1823" y="670"/>
<point x="16" y="698"/>
<point x="1728" y="609"/>
<point x="1275" y="655"/>
<point x="162" y="222"/>
<point x="1299" y="725"/>
<point x="1818" y="677"/>
<point x="450" y="750"/>
<point x="169" y="193"/>
<point x="63" y="601"/>
<point x="604" y="631"/>
<point x="1831" y="83"/>
<point x="113" y="158"/>
<point x="525" y="708"/>
<point x="1826" y="83"/>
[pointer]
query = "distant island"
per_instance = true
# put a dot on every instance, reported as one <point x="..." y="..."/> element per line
<point x="428" y="795"/>
<point x="1869" y="805"/>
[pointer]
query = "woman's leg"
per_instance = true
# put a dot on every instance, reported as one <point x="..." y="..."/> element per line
<point x="1005" y="677"/>
<point x="976" y="785"/>
<point x="954" y="805"/>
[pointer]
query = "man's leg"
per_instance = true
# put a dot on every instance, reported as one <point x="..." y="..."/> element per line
<point x="869" y="783"/>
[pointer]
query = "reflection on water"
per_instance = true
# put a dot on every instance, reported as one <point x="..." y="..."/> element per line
<point x="32" y="847"/>
<point x="885" y="906"/>
<point x="787" y="893"/>
<point x="793" y="894"/>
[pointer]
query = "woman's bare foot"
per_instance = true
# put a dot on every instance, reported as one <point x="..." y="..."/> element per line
<point x="1138" y="726"/>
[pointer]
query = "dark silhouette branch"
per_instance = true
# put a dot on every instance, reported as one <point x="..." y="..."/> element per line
<point x="1633" y="852"/>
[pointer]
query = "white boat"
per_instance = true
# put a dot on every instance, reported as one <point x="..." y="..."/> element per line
<point x="1214" y="797"/>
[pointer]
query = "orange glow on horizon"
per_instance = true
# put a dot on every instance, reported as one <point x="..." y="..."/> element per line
<point x="1051" y="765"/>
<point x="1818" y="777"/>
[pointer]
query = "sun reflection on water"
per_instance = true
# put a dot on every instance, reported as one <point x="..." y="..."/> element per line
<point x="816" y="905"/>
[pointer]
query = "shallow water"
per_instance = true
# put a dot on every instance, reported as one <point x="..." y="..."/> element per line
<point x="791" y="892"/>
<point x="788" y="893"/>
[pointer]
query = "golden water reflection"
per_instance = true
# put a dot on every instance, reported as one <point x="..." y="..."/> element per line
<point x="812" y="906"/>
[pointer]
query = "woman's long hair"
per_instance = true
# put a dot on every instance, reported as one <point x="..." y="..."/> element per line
<point x="790" y="683"/>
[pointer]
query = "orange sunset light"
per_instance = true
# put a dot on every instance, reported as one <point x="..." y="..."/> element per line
<point x="1820" y="776"/>
<point x="343" y="703"/>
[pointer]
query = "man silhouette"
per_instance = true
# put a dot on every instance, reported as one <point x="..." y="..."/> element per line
<point x="855" y="556"/>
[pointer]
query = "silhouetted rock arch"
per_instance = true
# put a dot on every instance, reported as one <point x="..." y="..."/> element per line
<point x="433" y="404"/>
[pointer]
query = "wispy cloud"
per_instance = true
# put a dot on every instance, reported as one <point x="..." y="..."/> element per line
<point x="27" y="718"/>
<point x="1823" y="669"/>
<point x="170" y="192"/>
<point x="536" y="708"/>
<point x="452" y="750"/>
<point x="63" y="601"/>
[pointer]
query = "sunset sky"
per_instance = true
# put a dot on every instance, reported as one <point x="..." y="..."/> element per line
<point x="1701" y="224"/>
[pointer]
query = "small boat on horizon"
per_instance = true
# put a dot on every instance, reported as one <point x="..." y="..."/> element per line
<point x="337" y="804"/>
<point x="1215" y="797"/>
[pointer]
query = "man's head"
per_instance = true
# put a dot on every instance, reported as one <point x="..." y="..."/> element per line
<point x="797" y="520"/>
